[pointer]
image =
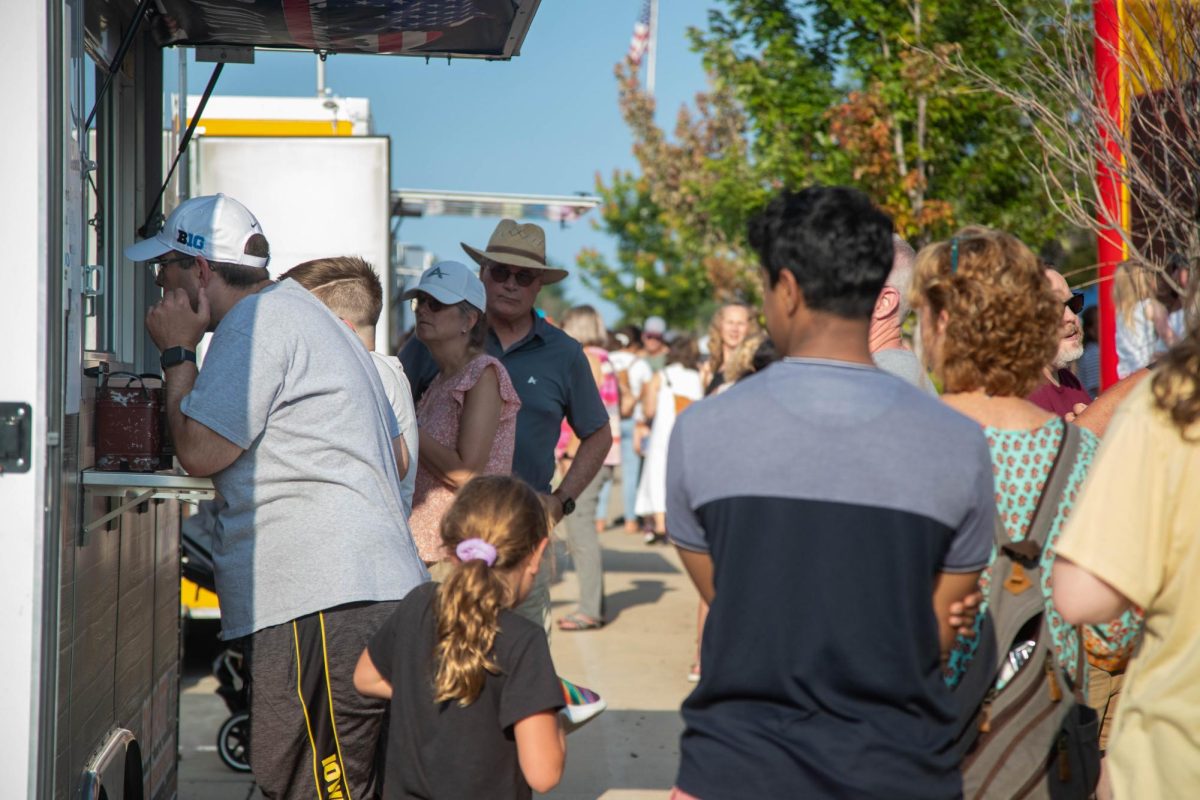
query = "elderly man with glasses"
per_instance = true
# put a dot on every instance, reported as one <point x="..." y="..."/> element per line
<point x="548" y="369"/>
<point x="1061" y="392"/>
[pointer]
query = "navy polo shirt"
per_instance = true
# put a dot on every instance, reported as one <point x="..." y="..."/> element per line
<point x="554" y="380"/>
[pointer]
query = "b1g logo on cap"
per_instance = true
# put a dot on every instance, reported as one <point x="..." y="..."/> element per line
<point x="191" y="239"/>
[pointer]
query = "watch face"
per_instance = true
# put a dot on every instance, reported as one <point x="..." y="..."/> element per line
<point x="568" y="505"/>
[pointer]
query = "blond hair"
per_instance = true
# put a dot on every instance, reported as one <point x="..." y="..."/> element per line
<point x="507" y="514"/>
<point x="584" y="325"/>
<point x="716" y="345"/>
<point x="741" y="362"/>
<point x="1177" y="383"/>
<point x="1002" y="318"/>
<point x="348" y="285"/>
<point x="1132" y="283"/>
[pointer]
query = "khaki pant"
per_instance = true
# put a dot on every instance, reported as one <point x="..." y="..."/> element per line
<point x="1104" y="690"/>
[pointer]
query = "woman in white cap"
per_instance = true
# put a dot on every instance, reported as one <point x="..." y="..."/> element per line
<point x="468" y="416"/>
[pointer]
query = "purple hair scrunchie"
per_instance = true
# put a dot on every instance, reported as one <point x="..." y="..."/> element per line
<point x="475" y="550"/>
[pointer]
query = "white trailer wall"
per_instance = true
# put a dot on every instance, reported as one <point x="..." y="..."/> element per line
<point x="315" y="197"/>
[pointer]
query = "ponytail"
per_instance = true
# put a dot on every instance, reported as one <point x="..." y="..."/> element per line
<point x="505" y="513"/>
<point x="469" y="605"/>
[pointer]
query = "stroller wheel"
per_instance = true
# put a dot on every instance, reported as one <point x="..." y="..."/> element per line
<point x="233" y="742"/>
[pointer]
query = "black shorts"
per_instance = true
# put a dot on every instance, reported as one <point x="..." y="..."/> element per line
<point x="312" y="735"/>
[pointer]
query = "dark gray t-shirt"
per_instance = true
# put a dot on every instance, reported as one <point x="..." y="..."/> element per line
<point x="830" y="496"/>
<point x="313" y="516"/>
<point x="437" y="750"/>
<point x="553" y="379"/>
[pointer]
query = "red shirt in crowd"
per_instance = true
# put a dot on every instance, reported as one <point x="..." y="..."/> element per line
<point x="1060" y="399"/>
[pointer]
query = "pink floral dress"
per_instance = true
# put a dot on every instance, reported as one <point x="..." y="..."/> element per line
<point x="439" y="415"/>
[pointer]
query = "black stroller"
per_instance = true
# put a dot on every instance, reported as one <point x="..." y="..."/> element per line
<point x="233" y="739"/>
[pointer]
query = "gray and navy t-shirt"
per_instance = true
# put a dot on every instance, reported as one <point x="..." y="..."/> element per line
<point x="830" y="496"/>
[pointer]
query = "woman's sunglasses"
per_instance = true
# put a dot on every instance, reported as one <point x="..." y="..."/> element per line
<point x="1075" y="303"/>
<point x="500" y="274"/>
<point x="431" y="303"/>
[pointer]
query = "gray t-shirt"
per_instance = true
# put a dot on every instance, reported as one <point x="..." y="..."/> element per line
<point x="399" y="395"/>
<point x="313" y="515"/>
<point x="905" y="365"/>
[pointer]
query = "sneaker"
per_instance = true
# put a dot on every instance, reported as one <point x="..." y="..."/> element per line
<point x="582" y="705"/>
<point x="652" y="538"/>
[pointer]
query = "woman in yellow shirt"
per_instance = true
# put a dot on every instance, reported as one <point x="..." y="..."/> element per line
<point x="1134" y="538"/>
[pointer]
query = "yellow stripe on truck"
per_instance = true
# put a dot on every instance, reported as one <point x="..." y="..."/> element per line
<point x="275" y="127"/>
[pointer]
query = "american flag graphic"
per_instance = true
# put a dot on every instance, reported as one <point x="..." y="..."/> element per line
<point x="641" y="36"/>
<point x="374" y="25"/>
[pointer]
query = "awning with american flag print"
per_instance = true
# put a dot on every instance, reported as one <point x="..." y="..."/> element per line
<point x="490" y="29"/>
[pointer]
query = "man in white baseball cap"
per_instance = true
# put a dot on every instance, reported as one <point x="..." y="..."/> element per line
<point x="291" y="421"/>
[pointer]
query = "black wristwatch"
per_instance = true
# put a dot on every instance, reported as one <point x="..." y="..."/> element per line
<point x="568" y="505"/>
<point x="174" y="356"/>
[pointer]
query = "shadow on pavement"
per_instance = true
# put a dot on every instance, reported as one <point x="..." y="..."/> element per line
<point x="642" y="593"/>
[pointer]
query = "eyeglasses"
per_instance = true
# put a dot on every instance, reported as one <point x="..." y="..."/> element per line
<point x="432" y="303"/>
<point x="500" y="274"/>
<point x="1075" y="303"/>
<point x="157" y="266"/>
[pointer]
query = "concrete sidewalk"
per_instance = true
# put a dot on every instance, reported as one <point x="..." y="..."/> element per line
<point x="638" y="662"/>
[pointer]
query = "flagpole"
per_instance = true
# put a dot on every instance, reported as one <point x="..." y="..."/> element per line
<point x="653" y="47"/>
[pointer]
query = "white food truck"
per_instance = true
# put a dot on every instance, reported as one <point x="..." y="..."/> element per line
<point x="90" y="571"/>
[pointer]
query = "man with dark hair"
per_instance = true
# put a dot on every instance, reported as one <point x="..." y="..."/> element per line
<point x="312" y="548"/>
<point x="831" y="515"/>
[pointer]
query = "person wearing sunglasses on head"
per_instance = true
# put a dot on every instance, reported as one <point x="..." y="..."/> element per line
<point x="1061" y="392"/>
<point x="549" y="371"/>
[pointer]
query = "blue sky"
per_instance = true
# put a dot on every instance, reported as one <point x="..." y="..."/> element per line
<point x="545" y="122"/>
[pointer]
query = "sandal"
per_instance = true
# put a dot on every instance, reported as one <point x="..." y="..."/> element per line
<point x="579" y="622"/>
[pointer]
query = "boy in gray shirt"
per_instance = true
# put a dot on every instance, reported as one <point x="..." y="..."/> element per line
<point x="290" y="420"/>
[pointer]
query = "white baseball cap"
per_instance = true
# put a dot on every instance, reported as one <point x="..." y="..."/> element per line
<point x="215" y="226"/>
<point x="450" y="282"/>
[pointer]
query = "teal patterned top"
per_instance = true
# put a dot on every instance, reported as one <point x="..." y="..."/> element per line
<point x="1021" y="461"/>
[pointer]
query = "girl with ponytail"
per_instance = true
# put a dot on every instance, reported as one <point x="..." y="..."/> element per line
<point x="472" y="687"/>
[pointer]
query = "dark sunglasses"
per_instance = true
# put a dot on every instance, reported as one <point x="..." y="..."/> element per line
<point x="432" y="303"/>
<point x="157" y="265"/>
<point x="1075" y="303"/>
<point x="500" y="274"/>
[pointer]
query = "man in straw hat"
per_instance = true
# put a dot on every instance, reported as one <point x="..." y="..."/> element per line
<point x="548" y="369"/>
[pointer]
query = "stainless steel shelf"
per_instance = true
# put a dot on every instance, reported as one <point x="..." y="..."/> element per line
<point x="138" y="487"/>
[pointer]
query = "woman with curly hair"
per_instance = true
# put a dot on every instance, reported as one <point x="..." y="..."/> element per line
<point x="1135" y="540"/>
<point x="989" y="323"/>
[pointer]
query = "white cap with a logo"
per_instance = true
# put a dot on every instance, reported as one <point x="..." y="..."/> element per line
<point x="214" y="226"/>
<point x="450" y="282"/>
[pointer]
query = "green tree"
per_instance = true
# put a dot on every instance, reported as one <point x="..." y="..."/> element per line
<point x="652" y="275"/>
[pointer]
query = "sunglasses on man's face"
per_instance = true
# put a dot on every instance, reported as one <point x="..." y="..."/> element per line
<point x="1075" y="303"/>
<point x="500" y="274"/>
<point x="157" y="266"/>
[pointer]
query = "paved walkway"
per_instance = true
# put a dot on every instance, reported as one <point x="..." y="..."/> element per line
<point x="638" y="662"/>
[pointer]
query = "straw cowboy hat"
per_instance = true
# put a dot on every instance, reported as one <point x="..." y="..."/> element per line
<point x="517" y="246"/>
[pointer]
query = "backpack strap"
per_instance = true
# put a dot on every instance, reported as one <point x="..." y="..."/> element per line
<point x="1030" y="548"/>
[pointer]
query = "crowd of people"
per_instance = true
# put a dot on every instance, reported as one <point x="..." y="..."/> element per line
<point x="931" y="561"/>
